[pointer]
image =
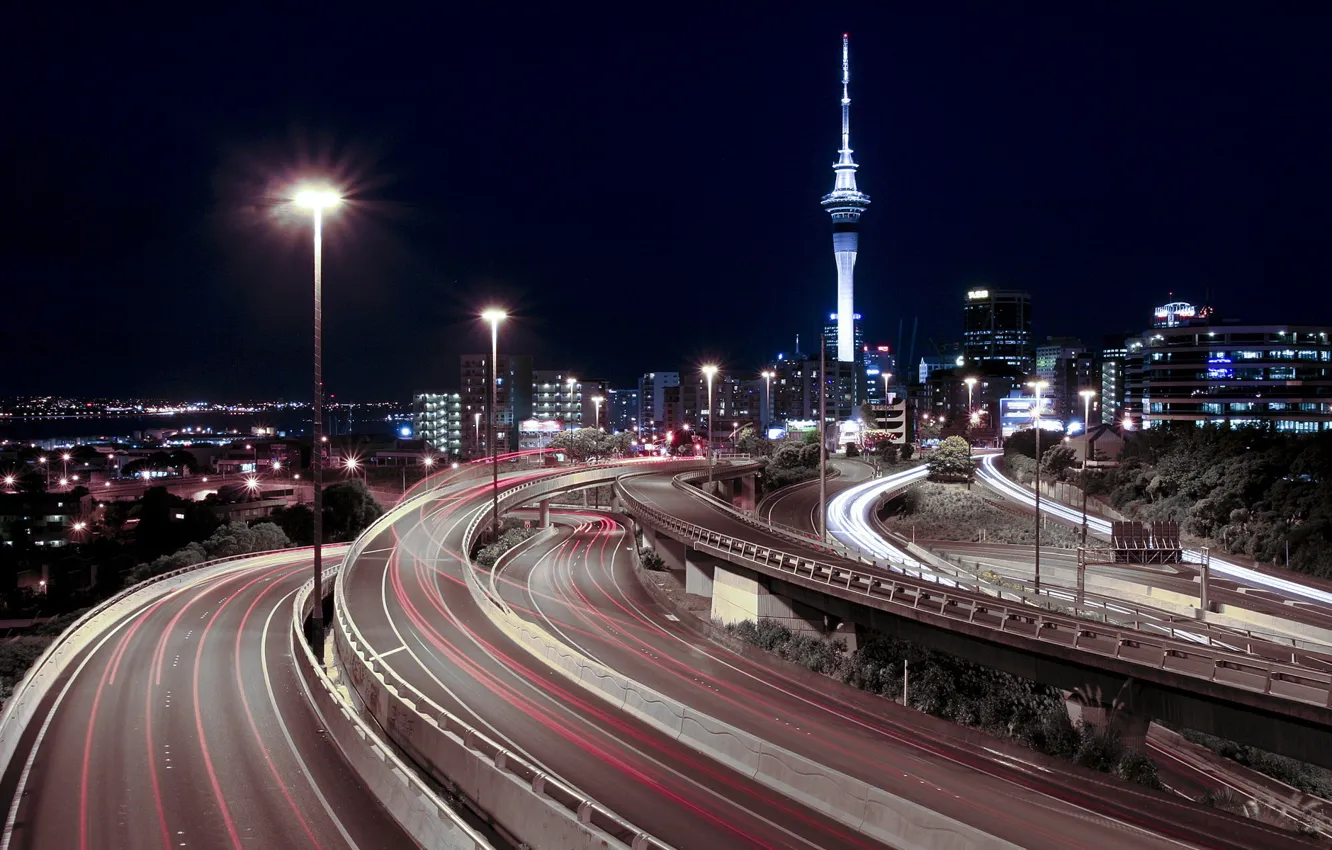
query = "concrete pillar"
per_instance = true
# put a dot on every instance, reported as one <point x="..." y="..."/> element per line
<point x="739" y="594"/>
<point x="746" y="500"/>
<point x="544" y="522"/>
<point x="672" y="552"/>
<point x="699" y="571"/>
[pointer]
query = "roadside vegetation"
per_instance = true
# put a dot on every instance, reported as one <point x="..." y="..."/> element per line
<point x="1308" y="778"/>
<point x="952" y="689"/>
<point x="1247" y="491"/>
<point x="951" y="512"/>
<point x="512" y="532"/>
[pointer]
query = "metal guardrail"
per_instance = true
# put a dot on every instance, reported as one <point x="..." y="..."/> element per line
<point x="970" y="605"/>
<point x="437" y="720"/>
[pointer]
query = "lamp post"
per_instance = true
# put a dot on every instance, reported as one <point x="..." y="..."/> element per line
<point x="708" y="371"/>
<point x="571" y="409"/>
<point x="971" y="385"/>
<point x="476" y="430"/>
<point x="1086" y="453"/>
<point x="494" y="316"/>
<point x="316" y="201"/>
<point x="597" y="400"/>
<point x="767" y="399"/>
<point x="1038" y="386"/>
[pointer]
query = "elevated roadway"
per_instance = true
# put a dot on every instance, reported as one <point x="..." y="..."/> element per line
<point x="186" y="726"/>
<point x="579" y="582"/>
<point x="407" y="598"/>
<point x="1197" y="686"/>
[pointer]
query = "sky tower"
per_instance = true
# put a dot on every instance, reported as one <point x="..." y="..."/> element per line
<point x="845" y="203"/>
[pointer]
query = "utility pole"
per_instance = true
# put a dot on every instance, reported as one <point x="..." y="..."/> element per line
<point x="823" y="439"/>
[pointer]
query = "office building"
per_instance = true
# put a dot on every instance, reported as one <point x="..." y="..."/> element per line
<point x="623" y="410"/>
<point x="1111" y="367"/>
<point x="997" y="328"/>
<point x="653" y="405"/>
<point x="437" y="418"/>
<point x="1234" y="374"/>
<point x="845" y="204"/>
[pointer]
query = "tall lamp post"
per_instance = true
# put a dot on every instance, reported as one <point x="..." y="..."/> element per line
<point x="494" y="316"/>
<point x="708" y="372"/>
<point x="1038" y="386"/>
<point x="572" y="382"/>
<point x="971" y="385"/>
<point x="1086" y="453"/>
<point x="597" y="400"/>
<point x="767" y="400"/>
<point x="316" y="201"/>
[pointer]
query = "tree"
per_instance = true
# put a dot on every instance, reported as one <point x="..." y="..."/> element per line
<point x="584" y="444"/>
<point x="297" y="521"/>
<point x="880" y="444"/>
<point x="349" y="508"/>
<point x="951" y="460"/>
<point x="1057" y="460"/>
<point x="751" y="443"/>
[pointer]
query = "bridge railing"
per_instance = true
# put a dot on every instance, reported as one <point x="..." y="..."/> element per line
<point x="442" y="744"/>
<point x="966" y="604"/>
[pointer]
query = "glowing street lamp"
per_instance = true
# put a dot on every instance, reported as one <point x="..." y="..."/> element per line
<point x="316" y="200"/>
<point x="1038" y="386"/>
<point x="1087" y="396"/>
<point x="708" y="372"/>
<point x="597" y="400"/>
<point x="494" y="316"/>
<point x="572" y="382"/>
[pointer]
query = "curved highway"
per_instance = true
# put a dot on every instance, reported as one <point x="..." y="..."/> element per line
<point x="579" y="582"/>
<point x="406" y="596"/>
<point x="186" y="726"/>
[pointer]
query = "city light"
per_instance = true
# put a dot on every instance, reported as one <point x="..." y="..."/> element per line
<point x="252" y="483"/>
<point x="429" y="462"/>
<point x="316" y="198"/>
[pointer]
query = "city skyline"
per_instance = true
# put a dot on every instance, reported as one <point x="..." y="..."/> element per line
<point x="1158" y="168"/>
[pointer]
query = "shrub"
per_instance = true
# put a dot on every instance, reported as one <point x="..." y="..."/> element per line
<point x="651" y="560"/>
<point x="1135" y="766"/>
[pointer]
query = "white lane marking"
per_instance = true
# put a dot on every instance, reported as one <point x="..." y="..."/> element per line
<point x="7" y="836"/>
<point x="268" y="682"/>
<point x="379" y="655"/>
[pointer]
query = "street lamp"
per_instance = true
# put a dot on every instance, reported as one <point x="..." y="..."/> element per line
<point x="1086" y="453"/>
<point x="316" y="200"/>
<point x="597" y="400"/>
<point x="708" y="372"/>
<point x="1038" y="386"/>
<point x="971" y="385"/>
<point x="494" y="316"/>
<point x="767" y="399"/>
<point x="572" y="382"/>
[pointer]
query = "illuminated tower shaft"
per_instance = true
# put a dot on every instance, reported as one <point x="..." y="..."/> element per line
<point x="845" y="203"/>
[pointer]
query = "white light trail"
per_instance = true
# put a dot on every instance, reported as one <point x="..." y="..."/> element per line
<point x="991" y="476"/>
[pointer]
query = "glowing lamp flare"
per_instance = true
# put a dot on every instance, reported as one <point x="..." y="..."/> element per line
<point x="316" y="198"/>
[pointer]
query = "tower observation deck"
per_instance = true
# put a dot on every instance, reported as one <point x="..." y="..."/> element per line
<point x="845" y="203"/>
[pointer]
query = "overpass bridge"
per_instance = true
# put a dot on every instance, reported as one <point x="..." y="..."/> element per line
<point x="751" y="572"/>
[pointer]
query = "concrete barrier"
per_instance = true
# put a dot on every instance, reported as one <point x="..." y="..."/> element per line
<point x="520" y="798"/>
<point x="867" y="809"/>
<point x="429" y="820"/>
<point x="33" y="688"/>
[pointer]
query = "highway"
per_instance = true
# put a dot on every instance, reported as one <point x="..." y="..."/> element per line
<point x="797" y="506"/>
<point x="186" y="726"/>
<point x="406" y="596"/>
<point x="579" y="582"/>
<point x="658" y="492"/>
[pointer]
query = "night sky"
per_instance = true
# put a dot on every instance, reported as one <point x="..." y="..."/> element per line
<point x="643" y="192"/>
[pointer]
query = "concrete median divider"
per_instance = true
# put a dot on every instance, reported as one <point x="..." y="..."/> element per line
<point x="521" y="800"/>
<point x="410" y="801"/>
<point x="870" y="810"/>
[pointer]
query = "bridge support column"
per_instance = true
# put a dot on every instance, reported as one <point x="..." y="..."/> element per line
<point x="700" y="570"/>
<point x="672" y="552"/>
<point x="746" y="499"/>
<point x="544" y="521"/>
<point x="739" y="594"/>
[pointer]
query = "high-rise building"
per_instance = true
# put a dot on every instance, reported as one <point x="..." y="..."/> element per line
<point x="880" y="364"/>
<point x="513" y="401"/>
<point x="1113" y="354"/>
<point x="437" y="418"/>
<point x="557" y="396"/>
<point x="1272" y="375"/>
<point x="623" y="410"/>
<point x="653" y="410"/>
<point x="997" y="327"/>
<point x="845" y="203"/>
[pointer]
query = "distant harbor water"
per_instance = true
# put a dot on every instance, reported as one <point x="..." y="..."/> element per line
<point x="295" y="423"/>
